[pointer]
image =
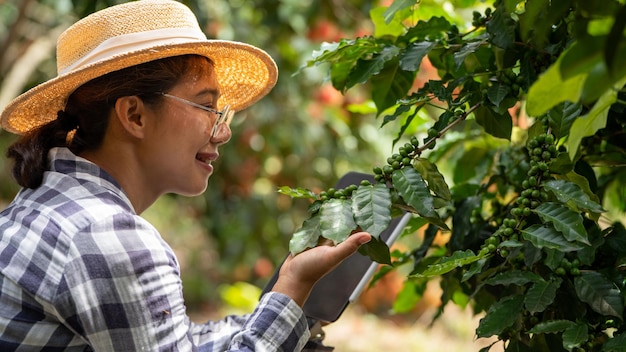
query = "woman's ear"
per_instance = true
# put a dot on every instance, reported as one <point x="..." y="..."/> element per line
<point x="130" y="111"/>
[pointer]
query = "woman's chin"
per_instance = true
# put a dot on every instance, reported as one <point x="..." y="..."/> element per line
<point x="192" y="191"/>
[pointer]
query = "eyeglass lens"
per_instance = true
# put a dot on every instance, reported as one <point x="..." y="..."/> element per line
<point x="222" y="118"/>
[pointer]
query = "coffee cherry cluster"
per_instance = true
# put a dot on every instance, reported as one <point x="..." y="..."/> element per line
<point x="541" y="150"/>
<point x="404" y="157"/>
<point x="508" y="230"/>
<point x="477" y="18"/>
<point x="511" y="80"/>
<point x="568" y="267"/>
<point x="431" y="140"/>
<point x="341" y="193"/>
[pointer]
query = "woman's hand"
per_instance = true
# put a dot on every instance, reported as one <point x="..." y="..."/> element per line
<point x="298" y="274"/>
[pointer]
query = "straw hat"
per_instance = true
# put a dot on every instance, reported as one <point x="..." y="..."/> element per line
<point x="133" y="33"/>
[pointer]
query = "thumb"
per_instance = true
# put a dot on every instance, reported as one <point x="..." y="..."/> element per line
<point x="352" y="244"/>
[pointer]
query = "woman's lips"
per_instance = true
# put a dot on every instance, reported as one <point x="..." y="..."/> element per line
<point x="207" y="158"/>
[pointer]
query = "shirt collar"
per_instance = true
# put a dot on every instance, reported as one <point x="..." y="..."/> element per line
<point x="62" y="160"/>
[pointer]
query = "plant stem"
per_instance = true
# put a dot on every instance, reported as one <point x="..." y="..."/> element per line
<point x="462" y="117"/>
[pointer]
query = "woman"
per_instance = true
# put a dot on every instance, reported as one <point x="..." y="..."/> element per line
<point x="138" y="109"/>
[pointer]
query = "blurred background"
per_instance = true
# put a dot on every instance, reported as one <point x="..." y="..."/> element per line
<point x="303" y="134"/>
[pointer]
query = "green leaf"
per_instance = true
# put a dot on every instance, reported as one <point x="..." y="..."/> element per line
<point x="497" y="92"/>
<point x="297" y="192"/>
<point x="447" y="264"/>
<point x="365" y="69"/>
<point x="431" y="30"/>
<point x="497" y="125"/>
<point x="550" y="89"/>
<point x="515" y="277"/>
<point x="433" y="177"/>
<point x="466" y="50"/>
<point x="390" y="84"/>
<point x="600" y="293"/>
<point x="564" y="219"/>
<point x="502" y="27"/>
<point x="581" y="56"/>
<point x="540" y="295"/>
<point x="600" y="81"/>
<point x="314" y="207"/>
<point x="616" y="344"/>
<point x="562" y="116"/>
<point x="414" y="191"/>
<point x="371" y="206"/>
<point x="339" y="74"/>
<point x="562" y="164"/>
<point x="395" y="7"/>
<point x="464" y="190"/>
<point x="501" y="315"/>
<point x="442" y="91"/>
<point x="409" y="296"/>
<point x="328" y="51"/>
<point x="476" y="160"/>
<point x="413" y="55"/>
<point x="615" y="36"/>
<point x="551" y="327"/>
<point x="377" y="250"/>
<point x="571" y="194"/>
<point x="575" y="335"/>
<point x="336" y="220"/>
<point x="342" y="57"/>
<point x="474" y="269"/>
<point x="589" y="124"/>
<point x="386" y="24"/>
<point x="542" y="27"/>
<point x="547" y="237"/>
<point x="307" y="236"/>
<point x="409" y="119"/>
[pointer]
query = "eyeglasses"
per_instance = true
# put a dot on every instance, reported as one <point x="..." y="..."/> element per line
<point x="222" y="118"/>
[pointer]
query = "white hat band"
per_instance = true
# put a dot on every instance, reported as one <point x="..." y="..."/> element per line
<point x="126" y="43"/>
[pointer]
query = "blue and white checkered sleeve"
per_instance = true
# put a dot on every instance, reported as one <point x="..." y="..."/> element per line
<point x="277" y="324"/>
<point x="122" y="291"/>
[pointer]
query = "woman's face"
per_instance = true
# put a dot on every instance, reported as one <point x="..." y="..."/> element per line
<point x="178" y="147"/>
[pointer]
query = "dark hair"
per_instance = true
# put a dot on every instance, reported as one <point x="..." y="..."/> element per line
<point x="83" y="123"/>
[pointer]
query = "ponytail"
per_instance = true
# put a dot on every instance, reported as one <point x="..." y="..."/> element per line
<point x="30" y="152"/>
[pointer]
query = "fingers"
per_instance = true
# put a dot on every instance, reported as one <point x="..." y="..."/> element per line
<point x="352" y="244"/>
<point x="299" y="273"/>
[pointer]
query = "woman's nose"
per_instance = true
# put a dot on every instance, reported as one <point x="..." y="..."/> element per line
<point x="222" y="134"/>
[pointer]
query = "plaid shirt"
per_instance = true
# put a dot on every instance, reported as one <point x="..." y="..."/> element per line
<point x="80" y="271"/>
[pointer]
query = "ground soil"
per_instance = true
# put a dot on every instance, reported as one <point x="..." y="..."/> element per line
<point x="359" y="331"/>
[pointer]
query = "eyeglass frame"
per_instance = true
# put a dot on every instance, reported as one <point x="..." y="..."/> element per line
<point x="225" y="116"/>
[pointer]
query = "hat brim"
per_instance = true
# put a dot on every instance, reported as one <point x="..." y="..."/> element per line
<point x="245" y="74"/>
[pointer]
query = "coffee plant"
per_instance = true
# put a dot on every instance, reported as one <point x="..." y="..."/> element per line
<point x="529" y="112"/>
